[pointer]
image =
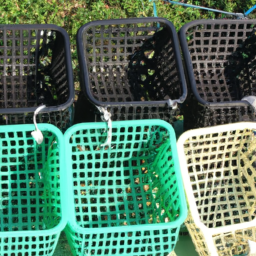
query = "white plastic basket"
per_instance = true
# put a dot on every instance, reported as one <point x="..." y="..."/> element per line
<point x="218" y="166"/>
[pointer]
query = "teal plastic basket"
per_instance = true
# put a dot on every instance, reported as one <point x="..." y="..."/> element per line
<point x="127" y="199"/>
<point x="32" y="190"/>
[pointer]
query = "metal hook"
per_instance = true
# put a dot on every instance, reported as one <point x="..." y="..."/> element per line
<point x="37" y="134"/>
<point x="106" y="117"/>
<point x="251" y="100"/>
<point x="173" y="103"/>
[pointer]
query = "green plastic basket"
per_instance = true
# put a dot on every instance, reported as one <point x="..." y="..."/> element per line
<point x="31" y="190"/>
<point x="127" y="199"/>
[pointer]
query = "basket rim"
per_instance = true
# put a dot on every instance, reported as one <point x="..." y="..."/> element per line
<point x="207" y="232"/>
<point x="188" y="61"/>
<point x="117" y="124"/>
<point x="70" y="80"/>
<point x="84" y="77"/>
<point x="63" y="180"/>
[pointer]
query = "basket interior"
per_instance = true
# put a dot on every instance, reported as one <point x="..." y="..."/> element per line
<point x="223" y="57"/>
<point x="222" y="171"/>
<point x="30" y="186"/>
<point x="131" y="62"/>
<point x="32" y="68"/>
<point x="133" y="183"/>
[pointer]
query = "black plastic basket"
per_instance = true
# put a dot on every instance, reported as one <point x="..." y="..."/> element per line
<point x="35" y="69"/>
<point x="220" y="57"/>
<point x="132" y="67"/>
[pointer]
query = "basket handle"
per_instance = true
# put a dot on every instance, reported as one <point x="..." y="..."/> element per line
<point x="37" y="134"/>
<point x="106" y="117"/>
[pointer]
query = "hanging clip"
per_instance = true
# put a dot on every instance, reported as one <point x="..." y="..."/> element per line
<point x="251" y="100"/>
<point x="37" y="134"/>
<point x="173" y="103"/>
<point x="106" y="117"/>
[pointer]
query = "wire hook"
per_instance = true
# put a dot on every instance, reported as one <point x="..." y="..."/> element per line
<point x="37" y="134"/>
<point x="106" y="117"/>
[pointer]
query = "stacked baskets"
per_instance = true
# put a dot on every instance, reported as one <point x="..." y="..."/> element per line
<point x="121" y="182"/>
<point x="124" y="198"/>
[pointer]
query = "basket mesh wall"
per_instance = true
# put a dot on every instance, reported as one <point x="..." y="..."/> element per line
<point x="228" y="244"/>
<point x="150" y="242"/>
<point x="28" y="245"/>
<point x="123" y="113"/>
<point x="223" y="58"/>
<point x="132" y="62"/>
<point x="197" y="115"/>
<point x="134" y="183"/>
<point x="32" y="68"/>
<point x="30" y="192"/>
<point x="61" y="119"/>
<point x="222" y="170"/>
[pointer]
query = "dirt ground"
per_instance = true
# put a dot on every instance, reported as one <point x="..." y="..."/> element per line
<point x="63" y="248"/>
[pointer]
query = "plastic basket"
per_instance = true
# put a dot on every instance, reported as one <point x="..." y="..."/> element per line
<point x="220" y="62"/>
<point x="35" y="69"/>
<point x="128" y="199"/>
<point x="32" y="190"/>
<point x="132" y="67"/>
<point x="219" y="170"/>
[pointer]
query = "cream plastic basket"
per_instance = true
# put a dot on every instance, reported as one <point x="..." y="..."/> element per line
<point x="218" y="166"/>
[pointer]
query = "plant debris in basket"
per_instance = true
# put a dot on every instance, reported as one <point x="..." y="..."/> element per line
<point x="132" y="192"/>
<point x="144" y="70"/>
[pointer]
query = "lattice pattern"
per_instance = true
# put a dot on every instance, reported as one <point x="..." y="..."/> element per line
<point x="33" y="68"/>
<point x="222" y="171"/>
<point x="134" y="183"/>
<point x="197" y="115"/>
<point x="152" y="70"/>
<point x="132" y="62"/>
<point x="30" y="192"/>
<point x="34" y="245"/>
<point x="61" y="119"/>
<point x="58" y="71"/>
<point x="28" y="64"/>
<point x="124" y="113"/>
<point x="124" y="191"/>
<point x="228" y="244"/>
<point x="140" y="48"/>
<point x="223" y="58"/>
<point x="135" y="243"/>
